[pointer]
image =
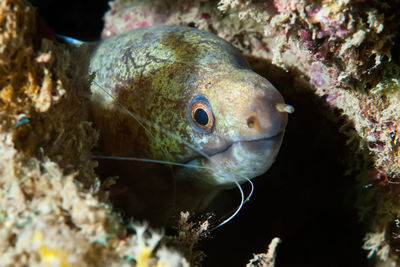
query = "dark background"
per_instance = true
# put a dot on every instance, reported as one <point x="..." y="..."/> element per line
<point x="80" y="19"/>
<point x="304" y="198"/>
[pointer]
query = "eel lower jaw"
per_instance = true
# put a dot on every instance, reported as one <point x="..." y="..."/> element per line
<point x="253" y="145"/>
<point x="242" y="158"/>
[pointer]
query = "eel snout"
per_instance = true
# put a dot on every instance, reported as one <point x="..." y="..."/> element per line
<point x="265" y="116"/>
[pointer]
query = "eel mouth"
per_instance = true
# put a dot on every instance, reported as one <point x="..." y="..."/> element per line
<point x="256" y="146"/>
<point x="238" y="159"/>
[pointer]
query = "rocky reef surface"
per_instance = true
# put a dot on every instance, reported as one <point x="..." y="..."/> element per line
<point x="336" y="178"/>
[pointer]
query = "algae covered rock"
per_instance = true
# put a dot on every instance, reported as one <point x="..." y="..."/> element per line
<point x="336" y="61"/>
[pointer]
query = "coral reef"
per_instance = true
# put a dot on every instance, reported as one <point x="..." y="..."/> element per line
<point x="55" y="211"/>
<point x="265" y="259"/>
<point x="342" y="48"/>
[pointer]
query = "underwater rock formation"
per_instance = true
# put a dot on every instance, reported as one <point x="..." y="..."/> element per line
<point x="343" y="50"/>
<point x="54" y="209"/>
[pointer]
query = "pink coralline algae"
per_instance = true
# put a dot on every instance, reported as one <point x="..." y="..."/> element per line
<point x="331" y="25"/>
<point x="317" y="75"/>
<point x="131" y="18"/>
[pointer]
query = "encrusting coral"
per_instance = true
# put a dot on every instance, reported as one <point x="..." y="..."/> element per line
<point x="53" y="209"/>
<point x="265" y="259"/>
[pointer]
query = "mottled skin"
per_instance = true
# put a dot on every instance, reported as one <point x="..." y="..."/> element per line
<point x="155" y="72"/>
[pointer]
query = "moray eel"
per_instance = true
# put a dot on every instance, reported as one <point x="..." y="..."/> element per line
<point x="178" y="94"/>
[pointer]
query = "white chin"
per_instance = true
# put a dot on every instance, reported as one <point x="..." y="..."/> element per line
<point x="241" y="160"/>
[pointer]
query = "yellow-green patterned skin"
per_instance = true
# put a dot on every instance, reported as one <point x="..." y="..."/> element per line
<point x="155" y="73"/>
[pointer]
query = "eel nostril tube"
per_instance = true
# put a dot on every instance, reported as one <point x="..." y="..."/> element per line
<point x="284" y="108"/>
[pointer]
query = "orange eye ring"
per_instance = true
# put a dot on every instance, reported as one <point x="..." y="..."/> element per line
<point x="201" y="114"/>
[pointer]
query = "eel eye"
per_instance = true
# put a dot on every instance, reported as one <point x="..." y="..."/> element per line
<point x="201" y="114"/>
